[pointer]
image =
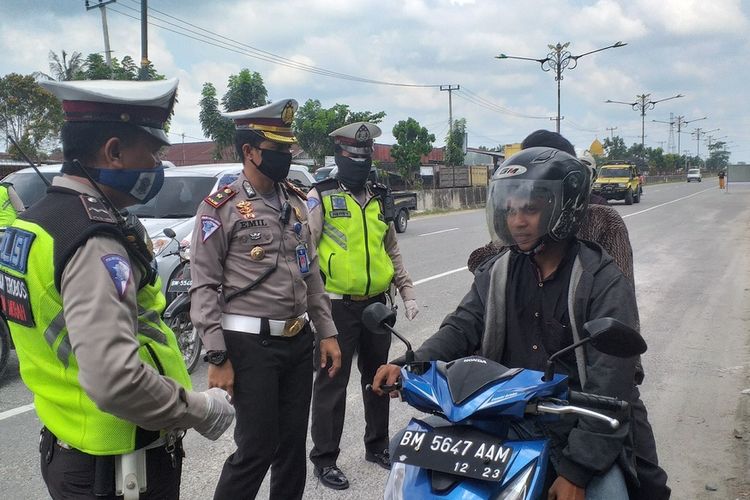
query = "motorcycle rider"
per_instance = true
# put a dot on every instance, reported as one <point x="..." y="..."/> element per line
<point x="518" y="312"/>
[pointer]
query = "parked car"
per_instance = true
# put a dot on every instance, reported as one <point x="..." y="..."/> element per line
<point x="694" y="174"/>
<point x="27" y="183"/>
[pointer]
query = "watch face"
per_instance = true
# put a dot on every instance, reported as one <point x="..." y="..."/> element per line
<point x="216" y="357"/>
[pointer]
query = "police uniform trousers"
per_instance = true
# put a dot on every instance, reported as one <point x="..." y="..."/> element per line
<point x="329" y="394"/>
<point x="272" y="390"/>
<point x="72" y="474"/>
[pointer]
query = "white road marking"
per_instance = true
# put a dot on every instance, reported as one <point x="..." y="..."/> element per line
<point x="438" y="232"/>
<point x="16" y="411"/>
<point x="430" y="278"/>
<point x="667" y="203"/>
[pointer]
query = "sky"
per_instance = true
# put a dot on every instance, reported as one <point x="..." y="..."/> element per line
<point x="690" y="47"/>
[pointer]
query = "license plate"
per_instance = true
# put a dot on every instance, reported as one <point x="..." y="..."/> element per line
<point x="178" y="285"/>
<point x="455" y="450"/>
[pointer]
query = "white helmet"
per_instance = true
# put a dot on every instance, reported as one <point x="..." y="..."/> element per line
<point x="587" y="159"/>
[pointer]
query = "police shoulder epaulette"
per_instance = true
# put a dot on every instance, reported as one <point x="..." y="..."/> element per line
<point x="294" y="189"/>
<point x="220" y="197"/>
<point x="97" y="210"/>
<point x="326" y="186"/>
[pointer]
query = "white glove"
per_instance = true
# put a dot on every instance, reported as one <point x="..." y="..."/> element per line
<point x="219" y="414"/>
<point x="412" y="309"/>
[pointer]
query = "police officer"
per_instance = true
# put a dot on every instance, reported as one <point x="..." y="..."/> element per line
<point x="84" y="304"/>
<point x="256" y="285"/>
<point x="351" y="219"/>
<point x="10" y="204"/>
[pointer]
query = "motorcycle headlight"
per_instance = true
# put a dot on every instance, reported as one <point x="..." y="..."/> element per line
<point x="519" y="488"/>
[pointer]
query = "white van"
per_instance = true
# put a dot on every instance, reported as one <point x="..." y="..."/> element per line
<point x="694" y="174"/>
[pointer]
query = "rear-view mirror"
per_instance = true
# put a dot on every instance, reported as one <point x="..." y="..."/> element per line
<point x="376" y="316"/>
<point x="615" y="338"/>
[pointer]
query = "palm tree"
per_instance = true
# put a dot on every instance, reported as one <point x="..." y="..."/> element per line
<point x="62" y="68"/>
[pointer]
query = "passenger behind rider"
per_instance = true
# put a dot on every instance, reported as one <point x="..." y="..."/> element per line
<point x="536" y="201"/>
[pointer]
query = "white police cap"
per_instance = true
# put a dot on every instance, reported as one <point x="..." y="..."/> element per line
<point x="357" y="138"/>
<point x="272" y="121"/>
<point x="147" y="105"/>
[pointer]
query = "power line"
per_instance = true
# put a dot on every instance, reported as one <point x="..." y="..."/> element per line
<point x="250" y="51"/>
<point x="482" y="102"/>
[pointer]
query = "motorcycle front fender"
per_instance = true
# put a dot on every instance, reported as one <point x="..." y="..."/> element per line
<point x="178" y="305"/>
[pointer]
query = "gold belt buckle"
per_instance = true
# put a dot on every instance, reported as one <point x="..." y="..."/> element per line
<point x="292" y="327"/>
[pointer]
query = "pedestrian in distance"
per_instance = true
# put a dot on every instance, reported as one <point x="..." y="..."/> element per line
<point x="84" y="305"/>
<point x="722" y="175"/>
<point x="351" y="220"/>
<point x="519" y="312"/>
<point x="256" y="287"/>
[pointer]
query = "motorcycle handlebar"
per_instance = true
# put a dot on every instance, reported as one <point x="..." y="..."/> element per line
<point x="598" y="402"/>
<point x="385" y="387"/>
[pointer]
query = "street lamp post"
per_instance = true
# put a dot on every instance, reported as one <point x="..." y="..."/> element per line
<point x="642" y="103"/>
<point x="557" y="60"/>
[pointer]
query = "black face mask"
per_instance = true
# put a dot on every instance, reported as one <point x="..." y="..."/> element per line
<point x="353" y="173"/>
<point x="274" y="164"/>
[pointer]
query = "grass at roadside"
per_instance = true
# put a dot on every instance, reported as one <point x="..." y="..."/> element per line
<point x="440" y="211"/>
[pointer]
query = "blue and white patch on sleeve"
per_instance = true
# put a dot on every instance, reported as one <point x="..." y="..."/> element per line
<point x="312" y="203"/>
<point x="119" y="270"/>
<point x="209" y="225"/>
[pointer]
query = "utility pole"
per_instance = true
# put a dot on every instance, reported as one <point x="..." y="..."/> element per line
<point x="642" y="103"/>
<point x="680" y="121"/>
<point x="611" y="133"/>
<point x="102" y="6"/>
<point x="143" y="73"/>
<point x="698" y="133"/>
<point x="450" y="89"/>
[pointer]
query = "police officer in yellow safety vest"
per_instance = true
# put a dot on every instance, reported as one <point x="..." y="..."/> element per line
<point x="359" y="258"/>
<point x="84" y="304"/>
<point x="10" y="205"/>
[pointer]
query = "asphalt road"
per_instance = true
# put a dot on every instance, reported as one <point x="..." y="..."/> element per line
<point x="693" y="284"/>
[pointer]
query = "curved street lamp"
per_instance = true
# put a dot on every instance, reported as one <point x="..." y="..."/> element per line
<point x="642" y="103"/>
<point x="558" y="59"/>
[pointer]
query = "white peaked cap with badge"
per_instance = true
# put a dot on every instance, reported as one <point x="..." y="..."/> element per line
<point x="147" y="105"/>
<point x="272" y="121"/>
<point x="357" y="138"/>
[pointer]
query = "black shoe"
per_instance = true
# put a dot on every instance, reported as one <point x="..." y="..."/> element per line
<point x="383" y="458"/>
<point x="332" y="477"/>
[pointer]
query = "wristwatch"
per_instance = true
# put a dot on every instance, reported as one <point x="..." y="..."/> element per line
<point x="216" y="357"/>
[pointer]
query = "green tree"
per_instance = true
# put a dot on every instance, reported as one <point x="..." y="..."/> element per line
<point x="63" y="68"/>
<point x="454" y="144"/>
<point x="244" y="90"/>
<point x="615" y="148"/>
<point x="412" y="142"/>
<point x="718" y="158"/>
<point x="29" y="114"/>
<point x="218" y="129"/>
<point x="313" y="123"/>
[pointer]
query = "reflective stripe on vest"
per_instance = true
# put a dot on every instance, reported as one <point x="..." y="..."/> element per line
<point x="351" y="249"/>
<point x="49" y="367"/>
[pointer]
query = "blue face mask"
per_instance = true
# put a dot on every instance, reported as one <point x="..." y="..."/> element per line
<point x="141" y="184"/>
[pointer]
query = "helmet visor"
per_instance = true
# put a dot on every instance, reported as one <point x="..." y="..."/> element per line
<point x="519" y="211"/>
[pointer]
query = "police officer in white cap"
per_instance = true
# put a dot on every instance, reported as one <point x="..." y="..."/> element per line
<point x="84" y="305"/>
<point x="351" y="220"/>
<point x="252" y="242"/>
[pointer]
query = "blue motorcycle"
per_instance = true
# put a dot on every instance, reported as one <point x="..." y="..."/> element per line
<point x="469" y="448"/>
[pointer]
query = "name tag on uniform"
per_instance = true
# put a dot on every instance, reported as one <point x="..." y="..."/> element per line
<point x="14" y="296"/>
<point x="302" y="260"/>
<point x="340" y="213"/>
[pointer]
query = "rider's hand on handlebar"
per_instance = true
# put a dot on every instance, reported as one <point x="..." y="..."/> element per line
<point x="386" y="375"/>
